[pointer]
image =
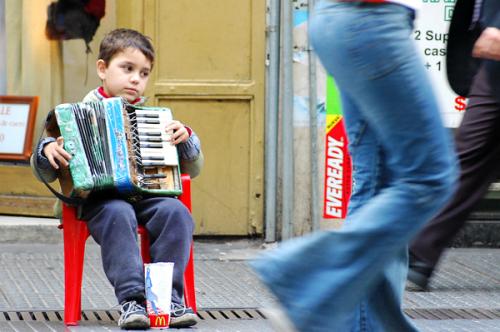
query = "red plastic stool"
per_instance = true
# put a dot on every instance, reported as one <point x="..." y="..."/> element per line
<point x="75" y="234"/>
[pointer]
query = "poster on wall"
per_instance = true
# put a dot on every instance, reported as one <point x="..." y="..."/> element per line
<point x="17" y="119"/>
<point x="431" y="34"/>
<point x="337" y="169"/>
<point x="337" y="188"/>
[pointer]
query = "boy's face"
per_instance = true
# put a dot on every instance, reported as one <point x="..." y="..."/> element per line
<point x="126" y="75"/>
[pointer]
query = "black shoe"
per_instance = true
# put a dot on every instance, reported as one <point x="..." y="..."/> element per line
<point x="133" y="316"/>
<point x="419" y="273"/>
<point x="180" y="316"/>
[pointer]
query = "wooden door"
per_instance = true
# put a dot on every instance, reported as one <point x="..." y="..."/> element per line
<point x="210" y="69"/>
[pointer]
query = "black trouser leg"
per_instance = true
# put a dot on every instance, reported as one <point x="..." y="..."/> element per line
<point x="478" y="148"/>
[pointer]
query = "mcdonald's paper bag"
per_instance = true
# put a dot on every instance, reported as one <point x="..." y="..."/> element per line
<point x="159" y="293"/>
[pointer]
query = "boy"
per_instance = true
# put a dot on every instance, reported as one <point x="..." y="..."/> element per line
<point x="125" y="61"/>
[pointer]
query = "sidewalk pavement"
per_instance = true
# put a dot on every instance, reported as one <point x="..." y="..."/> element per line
<point x="464" y="296"/>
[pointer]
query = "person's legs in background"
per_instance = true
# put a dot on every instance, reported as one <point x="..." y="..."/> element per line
<point x="478" y="151"/>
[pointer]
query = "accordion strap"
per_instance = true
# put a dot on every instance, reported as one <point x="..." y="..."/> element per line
<point x="66" y="199"/>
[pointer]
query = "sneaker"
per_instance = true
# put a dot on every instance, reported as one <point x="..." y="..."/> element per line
<point x="419" y="273"/>
<point x="180" y="316"/>
<point x="133" y="316"/>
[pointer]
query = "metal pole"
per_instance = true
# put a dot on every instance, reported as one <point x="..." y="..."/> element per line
<point x="272" y="110"/>
<point x="313" y="126"/>
<point x="287" y="123"/>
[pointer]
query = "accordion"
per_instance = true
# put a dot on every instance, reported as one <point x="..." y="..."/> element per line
<point x="115" y="145"/>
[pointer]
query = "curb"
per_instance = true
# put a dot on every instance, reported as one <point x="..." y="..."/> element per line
<point x="29" y="230"/>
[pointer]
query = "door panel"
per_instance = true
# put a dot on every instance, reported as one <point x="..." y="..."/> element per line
<point x="210" y="69"/>
<point x="221" y="192"/>
<point x="204" y="40"/>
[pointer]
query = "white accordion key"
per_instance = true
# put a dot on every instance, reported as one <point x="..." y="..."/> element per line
<point x="156" y="149"/>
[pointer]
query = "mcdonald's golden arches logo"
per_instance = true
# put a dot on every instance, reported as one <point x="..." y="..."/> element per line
<point x="160" y="320"/>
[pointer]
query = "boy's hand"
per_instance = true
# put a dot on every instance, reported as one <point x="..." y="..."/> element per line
<point x="178" y="133"/>
<point x="56" y="154"/>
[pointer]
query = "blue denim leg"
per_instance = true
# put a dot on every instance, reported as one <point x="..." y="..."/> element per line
<point x="170" y="227"/>
<point x="385" y="300"/>
<point x="369" y="177"/>
<point x="113" y="225"/>
<point x="322" y="278"/>
<point x="366" y="155"/>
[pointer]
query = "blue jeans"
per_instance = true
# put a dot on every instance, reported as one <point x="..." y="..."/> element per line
<point x="113" y="225"/>
<point x="404" y="171"/>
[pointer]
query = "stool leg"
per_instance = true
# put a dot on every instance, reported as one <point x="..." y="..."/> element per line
<point x="189" y="288"/>
<point x="75" y="234"/>
<point x="144" y="238"/>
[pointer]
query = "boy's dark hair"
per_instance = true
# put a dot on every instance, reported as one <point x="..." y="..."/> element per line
<point x="119" y="39"/>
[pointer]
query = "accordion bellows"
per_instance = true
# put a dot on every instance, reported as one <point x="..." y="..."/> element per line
<point x="115" y="145"/>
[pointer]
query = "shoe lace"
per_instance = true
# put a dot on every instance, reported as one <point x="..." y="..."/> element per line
<point x="129" y="308"/>
<point x="177" y="309"/>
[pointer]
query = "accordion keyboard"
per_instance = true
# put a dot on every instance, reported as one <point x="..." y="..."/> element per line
<point x="155" y="146"/>
<point x="157" y="157"/>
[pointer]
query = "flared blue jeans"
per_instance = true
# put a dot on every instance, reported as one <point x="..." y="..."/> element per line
<point x="353" y="279"/>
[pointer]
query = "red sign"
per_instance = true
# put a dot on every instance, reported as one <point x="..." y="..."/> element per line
<point x="337" y="159"/>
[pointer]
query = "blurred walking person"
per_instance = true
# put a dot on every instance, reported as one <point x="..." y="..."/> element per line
<point x="473" y="67"/>
<point x="404" y="170"/>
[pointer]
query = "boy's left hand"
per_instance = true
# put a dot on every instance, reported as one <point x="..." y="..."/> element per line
<point x="178" y="132"/>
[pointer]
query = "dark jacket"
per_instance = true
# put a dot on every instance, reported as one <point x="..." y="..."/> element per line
<point x="463" y="33"/>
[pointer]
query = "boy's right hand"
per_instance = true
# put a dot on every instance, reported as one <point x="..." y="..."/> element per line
<point x="56" y="154"/>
